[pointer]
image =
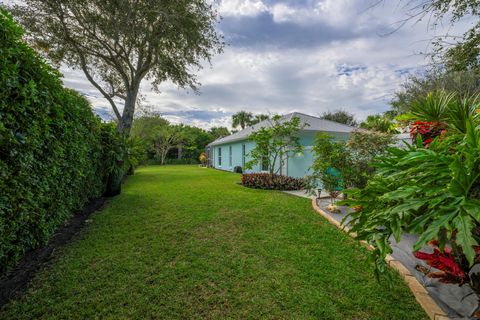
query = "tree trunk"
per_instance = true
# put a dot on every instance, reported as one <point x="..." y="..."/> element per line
<point x="164" y="155"/>
<point x="114" y="181"/>
<point x="180" y="152"/>
<point x="125" y="124"/>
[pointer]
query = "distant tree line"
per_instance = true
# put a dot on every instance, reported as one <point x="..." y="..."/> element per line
<point x="165" y="142"/>
<point x="243" y="119"/>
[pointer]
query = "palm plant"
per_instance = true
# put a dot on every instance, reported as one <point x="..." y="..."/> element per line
<point x="379" y="123"/>
<point x="460" y="110"/>
<point x="433" y="107"/>
<point x="259" y="118"/>
<point x="242" y="119"/>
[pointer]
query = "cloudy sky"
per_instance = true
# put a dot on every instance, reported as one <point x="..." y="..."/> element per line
<point x="309" y="56"/>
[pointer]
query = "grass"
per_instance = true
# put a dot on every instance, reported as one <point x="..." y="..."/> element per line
<point x="182" y="242"/>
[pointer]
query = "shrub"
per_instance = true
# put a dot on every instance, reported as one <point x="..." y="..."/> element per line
<point x="54" y="150"/>
<point x="431" y="191"/>
<point x="339" y="165"/>
<point x="238" y="169"/>
<point x="271" y="181"/>
<point x="202" y="158"/>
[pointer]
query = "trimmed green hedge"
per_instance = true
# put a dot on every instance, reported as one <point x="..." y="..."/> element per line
<point x="54" y="154"/>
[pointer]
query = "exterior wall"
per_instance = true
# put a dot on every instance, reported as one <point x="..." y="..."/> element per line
<point x="298" y="165"/>
<point x="237" y="158"/>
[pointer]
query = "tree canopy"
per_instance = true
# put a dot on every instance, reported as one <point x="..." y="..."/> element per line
<point x="379" y="123"/>
<point x="163" y="140"/>
<point x="340" y="116"/>
<point x="242" y="119"/>
<point x="456" y="53"/>
<point x="463" y="83"/>
<point x="218" y="132"/>
<point x="119" y="43"/>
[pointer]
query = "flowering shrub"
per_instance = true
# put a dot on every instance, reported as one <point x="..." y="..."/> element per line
<point x="272" y="181"/>
<point x="202" y="158"/>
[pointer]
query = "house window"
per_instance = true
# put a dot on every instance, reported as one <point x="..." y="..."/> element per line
<point x="243" y="155"/>
<point x="230" y="155"/>
<point x="219" y="157"/>
<point x="264" y="164"/>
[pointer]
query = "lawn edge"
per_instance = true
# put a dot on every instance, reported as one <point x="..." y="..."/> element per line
<point x="432" y="309"/>
<point x="14" y="284"/>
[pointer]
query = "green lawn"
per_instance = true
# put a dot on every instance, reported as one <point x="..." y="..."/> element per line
<point x="182" y="242"/>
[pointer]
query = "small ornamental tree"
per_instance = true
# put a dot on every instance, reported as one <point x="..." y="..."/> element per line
<point x="332" y="163"/>
<point x="166" y="139"/>
<point x="364" y="146"/>
<point x="275" y="143"/>
<point x="341" y="165"/>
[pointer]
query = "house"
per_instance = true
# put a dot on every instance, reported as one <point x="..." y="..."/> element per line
<point x="229" y="152"/>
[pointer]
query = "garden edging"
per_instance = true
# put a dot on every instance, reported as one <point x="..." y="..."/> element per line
<point x="422" y="296"/>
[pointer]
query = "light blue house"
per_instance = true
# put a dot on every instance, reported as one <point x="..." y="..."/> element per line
<point x="229" y="152"/>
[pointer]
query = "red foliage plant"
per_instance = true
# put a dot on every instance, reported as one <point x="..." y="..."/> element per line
<point x="429" y="130"/>
<point x="450" y="271"/>
<point x="272" y="181"/>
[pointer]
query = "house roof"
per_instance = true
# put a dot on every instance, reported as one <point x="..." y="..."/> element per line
<point x="313" y="124"/>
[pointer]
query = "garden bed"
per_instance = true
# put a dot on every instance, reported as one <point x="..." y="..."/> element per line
<point x="457" y="302"/>
<point x="15" y="283"/>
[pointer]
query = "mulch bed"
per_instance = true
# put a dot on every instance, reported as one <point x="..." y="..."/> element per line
<point x="15" y="283"/>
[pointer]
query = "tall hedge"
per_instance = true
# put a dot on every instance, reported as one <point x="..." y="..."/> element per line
<point x="52" y="160"/>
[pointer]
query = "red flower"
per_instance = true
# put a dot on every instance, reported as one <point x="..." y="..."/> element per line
<point x="450" y="271"/>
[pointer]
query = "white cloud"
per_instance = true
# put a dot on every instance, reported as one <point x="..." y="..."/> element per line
<point x="283" y="13"/>
<point x="241" y="7"/>
<point x="358" y="72"/>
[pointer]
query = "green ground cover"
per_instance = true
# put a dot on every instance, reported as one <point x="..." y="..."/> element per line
<point x="185" y="242"/>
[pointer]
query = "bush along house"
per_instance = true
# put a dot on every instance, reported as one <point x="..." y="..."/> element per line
<point x="232" y="151"/>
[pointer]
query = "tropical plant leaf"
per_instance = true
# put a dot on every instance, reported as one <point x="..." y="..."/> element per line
<point x="461" y="178"/>
<point x="401" y="193"/>
<point x="434" y="229"/>
<point x="464" y="225"/>
<point x="473" y="135"/>
<point x="409" y="205"/>
<point x="472" y="207"/>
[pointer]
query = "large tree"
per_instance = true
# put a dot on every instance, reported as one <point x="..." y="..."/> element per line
<point x="463" y="83"/>
<point x="456" y="53"/>
<point x="119" y="43"/>
<point x="242" y="119"/>
<point x="218" y="132"/>
<point x="340" y="116"/>
<point x="259" y="118"/>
